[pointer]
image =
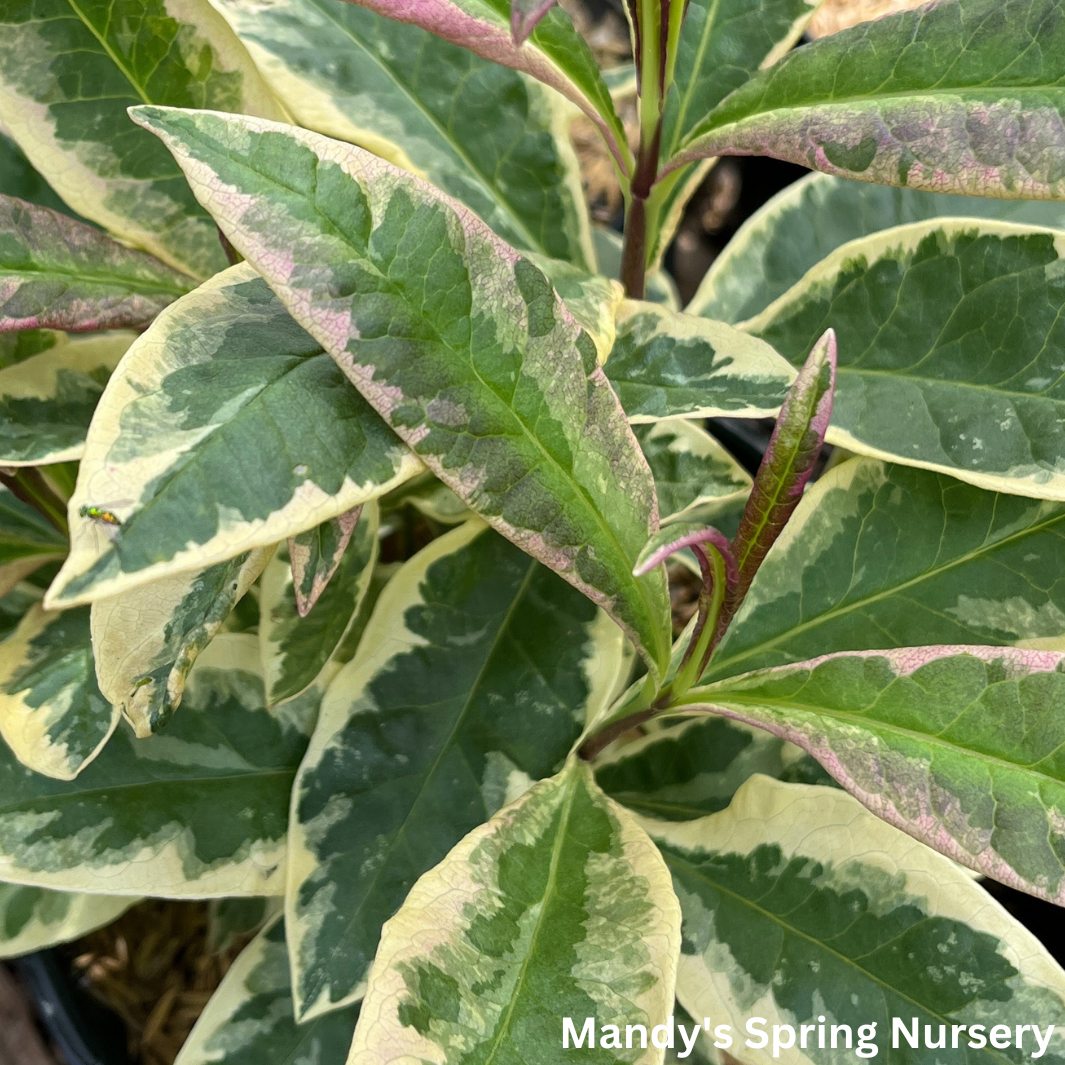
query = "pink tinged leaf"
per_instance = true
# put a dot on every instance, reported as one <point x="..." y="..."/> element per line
<point x="59" y="273"/>
<point x="786" y="467"/>
<point x="672" y="539"/>
<point x="314" y="556"/>
<point x="524" y="15"/>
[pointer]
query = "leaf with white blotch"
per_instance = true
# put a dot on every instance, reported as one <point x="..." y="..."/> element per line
<point x="232" y="919"/>
<point x="691" y="469"/>
<point x="147" y="639"/>
<point x="69" y="70"/>
<point x="473" y="679"/>
<point x="810" y="219"/>
<point x="962" y="97"/>
<point x="959" y="746"/>
<point x="33" y="918"/>
<point x="555" y="53"/>
<point x="52" y="714"/>
<point x="948" y="333"/>
<point x="58" y="273"/>
<point x="314" y="556"/>
<point x="666" y="364"/>
<point x="878" y="556"/>
<point x="686" y="770"/>
<point x="227" y="428"/>
<point x="199" y="810"/>
<point x="47" y="400"/>
<point x="27" y="540"/>
<point x="492" y="138"/>
<point x="560" y="906"/>
<point x="488" y="378"/>
<point x="722" y="44"/>
<point x="799" y="905"/>
<point x="250" y="1017"/>
<point x="295" y="648"/>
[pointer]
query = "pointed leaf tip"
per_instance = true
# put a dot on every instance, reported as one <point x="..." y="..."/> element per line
<point x="525" y="15"/>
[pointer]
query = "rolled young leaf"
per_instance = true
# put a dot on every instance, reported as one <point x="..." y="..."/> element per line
<point x="250" y="1017"/>
<point x="58" y="273"/>
<point x="147" y="639"/>
<point x="228" y="428"/>
<point x="491" y="137"/>
<point x="69" y="70"/>
<point x="879" y="556"/>
<point x="823" y="915"/>
<point x="474" y="678"/>
<point x="948" y="334"/>
<point x="953" y="97"/>
<point x="199" y="811"/>
<point x="559" y="907"/>
<point x="33" y="919"/>
<point x="482" y="372"/>
<point x="665" y="364"/>
<point x="314" y="556"/>
<point x="295" y="648"/>
<point x="52" y="713"/>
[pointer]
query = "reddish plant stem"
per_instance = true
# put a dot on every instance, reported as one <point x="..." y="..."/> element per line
<point x="634" y="252"/>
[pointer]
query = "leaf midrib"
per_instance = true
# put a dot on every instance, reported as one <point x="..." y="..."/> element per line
<point x="110" y="52"/>
<point x="136" y="285"/>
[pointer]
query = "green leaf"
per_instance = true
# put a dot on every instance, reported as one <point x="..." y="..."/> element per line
<point x="250" y="1016"/>
<point x="559" y="906"/>
<point x="33" y="919"/>
<point x="52" y="714"/>
<point x="666" y="364"/>
<point x="723" y="43"/>
<point x="59" y="273"/>
<point x="428" y="497"/>
<point x="47" y="400"/>
<point x="228" y="428"/>
<point x="798" y="905"/>
<point x="958" y="746"/>
<point x="295" y="649"/>
<point x="810" y="219"/>
<point x="683" y="771"/>
<point x="314" y="556"/>
<point x="492" y="138"/>
<point x="18" y="178"/>
<point x="200" y="810"/>
<point x="147" y="639"/>
<point x="555" y="53"/>
<point x="948" y="333"/>
<point x="660" y="287"/>
<point x="473" y="679"/>
<point x="879" y="556"/>
<point x="232" y="919"/>
<point x="959" y="97"/>
<point x="27" y="541"/>
<point x="692" y="470"/>
<point x="481" y="371"/>
<point x="69" y="70"/>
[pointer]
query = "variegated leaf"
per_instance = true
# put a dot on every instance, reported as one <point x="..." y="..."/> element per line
<point x="666" y="364"/>
<point x="27" y="541"/>
<point x="429" y="497"/>
<point x="18" y="178"/>
<point x="232" y="919"/>
<point x="722" y="44"/>
<point x="692" y="470"/>
<point x="295" y="648"/>
<point x="250" y="1017"/>
<point x="810" y="219"/>
<point x="804" y="910"/>
<point x="228" y="428"/>
<point x="954" y="97"/>
<point x="68" y="71"/>
<point x="494" y="139"/>
<point x="48" y="399"/>
<point x="558" y="907"/>
<point x="58" y="273"/>
<point x="494" y="384"/>
<point x="879" y="556"/>
<point x="33" y="918"/>
<point x="314" y="556"/>
<point x="948" y="339"/>
<point x="555" y="53"/>
<point x="959" y="746"/>
<point x="473" y="679"/>
<point x="52" y="714"/>
<point x="685" y="770"/>
<point x="147" y="639"/>
<point x="200" y="810"/>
